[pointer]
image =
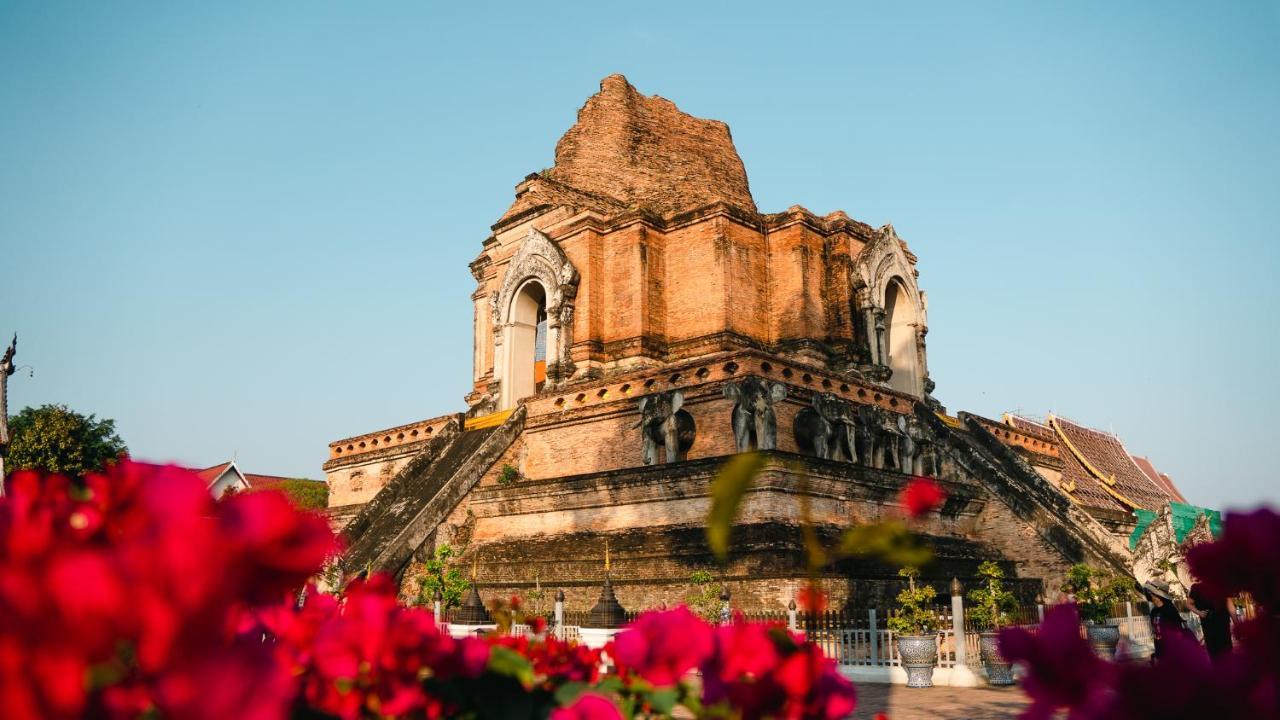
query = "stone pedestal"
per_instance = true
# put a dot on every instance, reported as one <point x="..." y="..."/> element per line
<point x="597" y="637"/>
<point x="459" y="630"/>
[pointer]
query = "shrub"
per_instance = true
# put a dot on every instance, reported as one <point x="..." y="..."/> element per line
<point x="915" y="614"/>
<point x="1096" y="590"/>
<point x="508" y="475"/>
<point x="992" y="602"/>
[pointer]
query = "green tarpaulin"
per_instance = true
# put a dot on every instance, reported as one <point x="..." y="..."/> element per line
<point x="1184" y="518"/>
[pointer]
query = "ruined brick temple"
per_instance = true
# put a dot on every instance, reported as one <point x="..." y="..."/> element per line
<point x="637" y="321"/>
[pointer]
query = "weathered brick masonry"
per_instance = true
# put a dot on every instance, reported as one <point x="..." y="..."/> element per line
<point x="677" y="325"/>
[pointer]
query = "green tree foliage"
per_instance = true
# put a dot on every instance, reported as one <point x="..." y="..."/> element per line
<point x="992" y="601"/>
<point x="438" y="575"/>
<point x="704" y="599"/>
<point x="1095" y="591"/>
<point x="915" y="614"/>
<point x="305" y="494"/>
<point x="55" y="438"/>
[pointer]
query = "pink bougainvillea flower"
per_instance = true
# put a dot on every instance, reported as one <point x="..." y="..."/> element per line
<point x="922" y="495"/>
<point x="588" y="706"/>
<point x="1062" y="670"/>
<point x="760" y="670"/>
<point x="121" y="593"/>
<point x="741" y="649"/>
<point x="813" y="687"/>
<point x="1244" y="559"/>
<point x="661" y="646"/>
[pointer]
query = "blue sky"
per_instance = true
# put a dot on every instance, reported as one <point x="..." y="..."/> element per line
<point x="243" y="228"/>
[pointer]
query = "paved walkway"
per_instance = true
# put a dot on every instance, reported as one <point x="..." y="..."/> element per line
<point x="900" y="702"/>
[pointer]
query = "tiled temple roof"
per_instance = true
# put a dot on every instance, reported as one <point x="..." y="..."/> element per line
<point x="1160" y="479"/>
<point x="1100" y="472"/>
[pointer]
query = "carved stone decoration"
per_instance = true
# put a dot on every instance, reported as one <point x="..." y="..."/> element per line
<point x="664" y="425"/>
<point x="541" y="260"/>
<point x="829" y="429"/>
<point x="890" y="443"/>
<point x="908" y="446"/>
<point x="755" y="426"/>
<point x="882" y="263"/>
<point x="813" y="432"/>
<point x="866" y="436"/>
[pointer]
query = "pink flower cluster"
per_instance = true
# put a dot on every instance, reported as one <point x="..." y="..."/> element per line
<point x="133" y="594"/>
<point x="749" y="670"/>
<point x="1063" y="673"/>
<point x="119" y="592"/>
<point x="367" y="655"/>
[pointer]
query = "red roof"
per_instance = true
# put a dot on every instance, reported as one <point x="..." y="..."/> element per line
<point x="211" y="473"/>
<point x="1160" y="479"/>
<point x="1106" y="454"/>
<point x="255" y="481"/>
<point x="258" y="482"/>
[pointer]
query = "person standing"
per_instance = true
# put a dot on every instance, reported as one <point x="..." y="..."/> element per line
<point x="1165" y="618"/>
<point x="1215" y="620"/>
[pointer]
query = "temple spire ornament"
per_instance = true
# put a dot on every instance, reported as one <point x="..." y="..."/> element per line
<point x="608" y="613"/>
<point x="473" y="611"/>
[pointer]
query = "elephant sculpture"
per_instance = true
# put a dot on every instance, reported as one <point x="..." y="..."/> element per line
<point x="868" y="437"/>
<point x="828" y="429"/>
<point x="663" y="424"/>
<point x="908" y="447"/>
<point x="755" y="425"/>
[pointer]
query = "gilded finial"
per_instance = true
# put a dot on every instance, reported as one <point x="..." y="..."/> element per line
<point x="606" y="555"/>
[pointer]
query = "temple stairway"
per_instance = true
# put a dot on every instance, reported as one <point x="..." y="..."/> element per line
<point x="384" y="536"/>
<point x="1062" y="523"/>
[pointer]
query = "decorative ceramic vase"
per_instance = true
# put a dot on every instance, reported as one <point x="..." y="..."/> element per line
<point x="1103" y="639"/>
<point x="999" y="672"/>
<point x="919" y="654"/>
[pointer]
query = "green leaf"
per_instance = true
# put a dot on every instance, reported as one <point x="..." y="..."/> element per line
<point x="890" y="541"/>
<point x="664" y="701"/>
<point x="727" y="489"/>
<point x="568" y="692"/>
<point x="505" y="661"/>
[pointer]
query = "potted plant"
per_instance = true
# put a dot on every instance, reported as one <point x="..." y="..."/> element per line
<point x="916" y="626"/>
<point x="1094" y="592"/>
<point x="991" y="605"/>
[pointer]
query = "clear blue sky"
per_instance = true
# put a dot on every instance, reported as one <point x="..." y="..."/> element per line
<point x="243" y="228"/>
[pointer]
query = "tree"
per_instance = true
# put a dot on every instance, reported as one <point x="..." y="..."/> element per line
<point x="57" y="439"/>
<point x="915" y="614"/>
<point x="438" y="576"/>
<point x="1095" y="591"/>
<point x="704" y="600"/>
<point x="305" y="494"/>
<point x="992" y="601"/>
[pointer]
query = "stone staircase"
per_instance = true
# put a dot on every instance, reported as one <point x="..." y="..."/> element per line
<point x="384" y="536"/>
<point x="1062" y="523"/>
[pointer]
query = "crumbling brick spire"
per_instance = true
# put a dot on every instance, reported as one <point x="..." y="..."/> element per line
<point x="646" y="153"/>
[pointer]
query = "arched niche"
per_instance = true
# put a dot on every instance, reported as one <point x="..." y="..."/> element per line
<point x="901" y="320"/>
<point x="895" y="312"/>
<point x="534" y="320"/>
<point x="526" y="358"/>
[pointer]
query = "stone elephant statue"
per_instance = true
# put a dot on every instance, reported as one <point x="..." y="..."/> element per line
<point x="908" y="446"/>
<point x="755" y="426"/>
<point x="663" y="424"/>
<point x="828" y="429"/>
<point x="869" y="435"/>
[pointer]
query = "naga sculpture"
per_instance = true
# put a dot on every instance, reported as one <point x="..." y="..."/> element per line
<point x="663" y="424"/>
<point x="755" y="425"/>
